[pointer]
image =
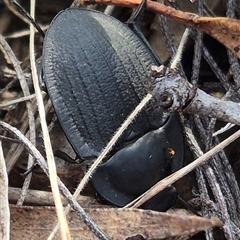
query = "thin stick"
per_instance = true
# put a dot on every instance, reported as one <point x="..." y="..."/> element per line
<point x="24" y="33"/>
<point x="223" y="129"/>
<point x="215" y="27"/>
<point x="16" y="101"/>
<point x="65" y="234"/>
<point x="30" y="110"/>
<point x="158" y="187"/>
<point x="4" y="206"/>
<point x="114" y="139"/>
<point x="109" y="146"/>
<point x="178" y="56"/>
<point x="183" y="97"/>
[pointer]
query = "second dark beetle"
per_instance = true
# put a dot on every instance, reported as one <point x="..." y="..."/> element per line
<point x="96" y="71"/>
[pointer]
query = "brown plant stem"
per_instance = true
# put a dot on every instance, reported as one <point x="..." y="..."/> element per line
<point x="225" y="30"/>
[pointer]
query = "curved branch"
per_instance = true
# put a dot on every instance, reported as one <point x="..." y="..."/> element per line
<point x="176" y="94"/>
<point x="225" y="30"/>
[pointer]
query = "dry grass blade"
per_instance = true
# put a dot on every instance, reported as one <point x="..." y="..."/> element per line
<point x="117" y="223"/>
<point x="65" y="234"/>
<point x="4" y="207"/>
<point x="45" y="198"/>
<point x="111" y="143"/>
<point x="33" y="197"/>
<point x="225" y="30"/>
<point x="16" y="101"/>
<point x="24" y="33"/>
<point x="158" y="187"/>
<point x="31" y="120"/>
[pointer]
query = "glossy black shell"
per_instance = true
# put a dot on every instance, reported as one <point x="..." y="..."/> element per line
<point x="137" y="167"/>
<point x="96" y="71"/>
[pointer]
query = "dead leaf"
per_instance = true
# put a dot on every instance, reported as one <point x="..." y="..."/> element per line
<point x="118" y="224"/>
<point x="225" y="30"/>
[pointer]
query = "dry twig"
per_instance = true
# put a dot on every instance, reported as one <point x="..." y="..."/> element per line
<point x="31" y="120"/>
<point x="225" y="30"/>
<point x="65" y="234"/>
<point x="4" y="206"/>
<point x="176" y="94"/>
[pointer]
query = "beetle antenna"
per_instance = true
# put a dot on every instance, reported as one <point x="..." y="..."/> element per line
<point x="178" y="56"/>
<point x="28" y="16"/>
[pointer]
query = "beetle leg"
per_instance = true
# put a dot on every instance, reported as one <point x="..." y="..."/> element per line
<point x="137" y="13"/>
<point x="64" y="156"/>
<point x="28" y="16"/>
<point x="35" y="165"/>
<point x="132" y="24"/>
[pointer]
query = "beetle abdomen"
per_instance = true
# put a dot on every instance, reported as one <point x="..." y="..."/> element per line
<point x="96" y="71"/>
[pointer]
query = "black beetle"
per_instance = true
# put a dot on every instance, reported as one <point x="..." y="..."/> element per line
<point x="96" y="71"/>
<point x="133" y="169"/>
